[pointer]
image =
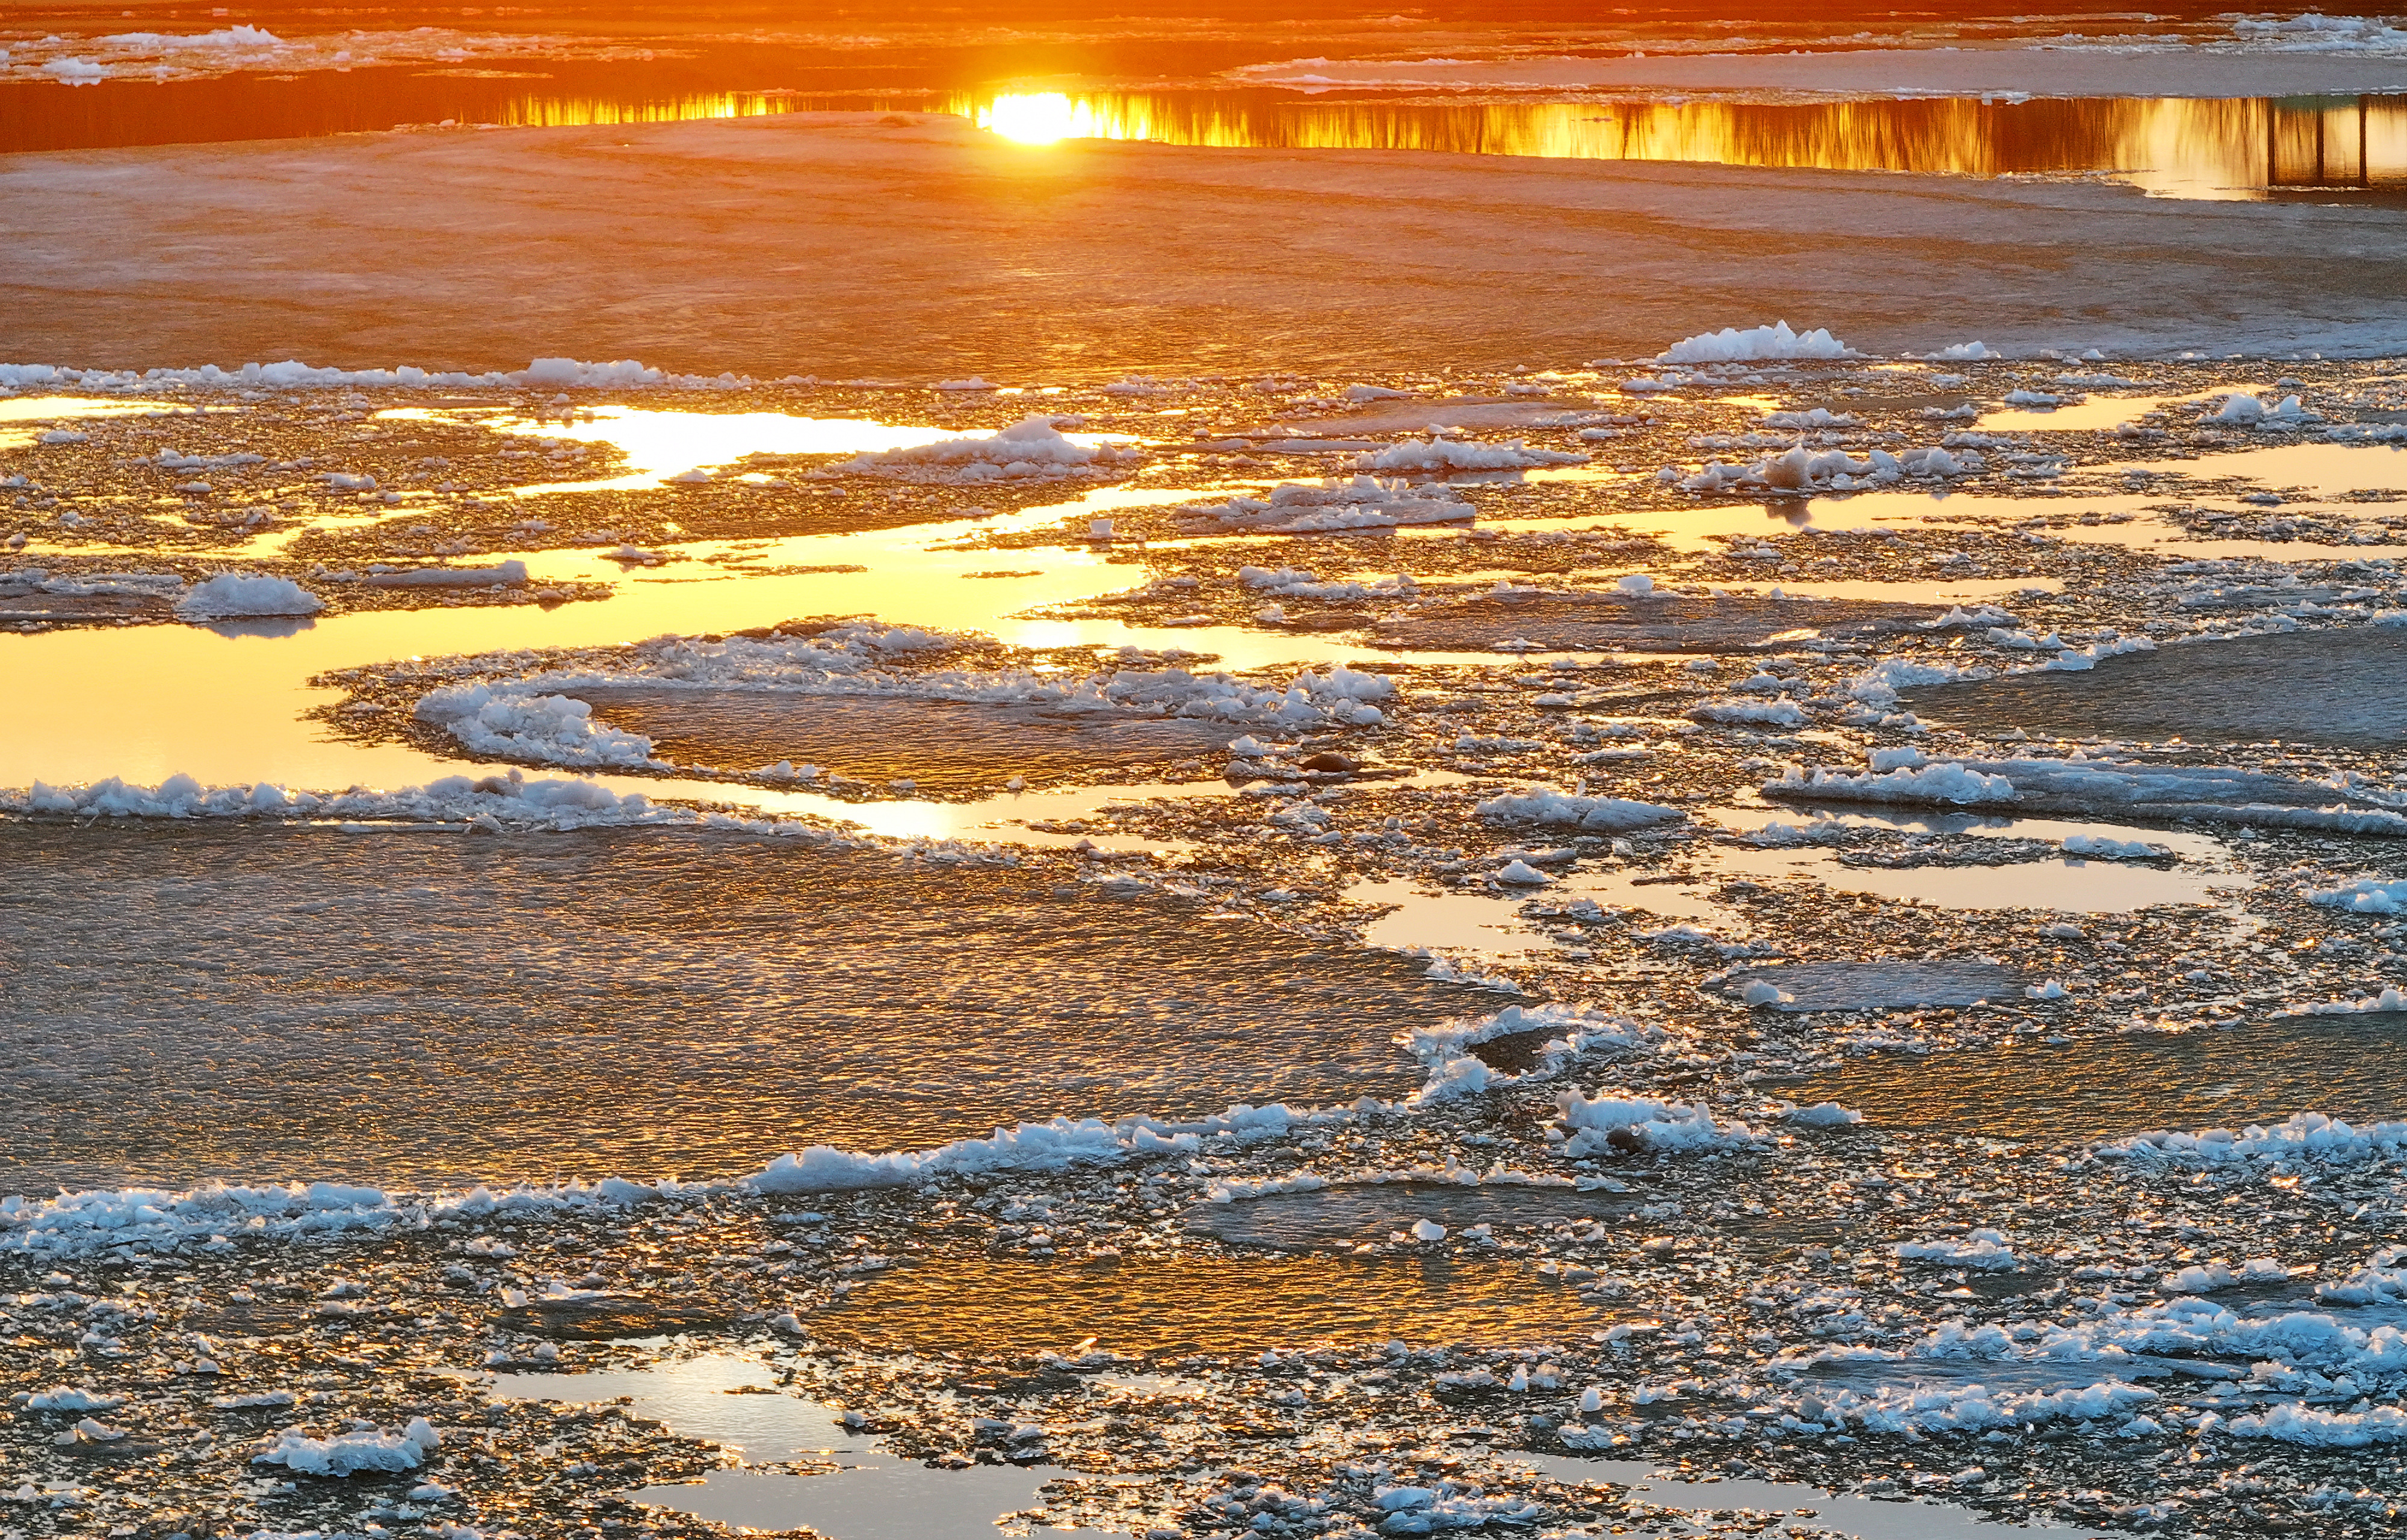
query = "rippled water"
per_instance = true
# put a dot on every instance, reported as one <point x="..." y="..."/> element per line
<point x="1170" y="1307"/>
<point x="2352" y="1067"/>
<point x="421" y="1008"/>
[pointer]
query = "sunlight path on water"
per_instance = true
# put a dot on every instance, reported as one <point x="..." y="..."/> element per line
<point x="659" y="445"/>
<point x="228" y="707"/>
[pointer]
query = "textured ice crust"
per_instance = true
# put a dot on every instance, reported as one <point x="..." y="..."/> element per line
<point x="1607" y="815"/>
<point x="292" y="374"/>
<point x="540" y="718"/>
<point x="1777" y="341"/>
<point x="493" y="801"/>
<point x="1905" y="777"/>
<point x="232" y="595"/>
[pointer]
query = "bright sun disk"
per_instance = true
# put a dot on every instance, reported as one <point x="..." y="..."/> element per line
<point x="1039" y="117"/>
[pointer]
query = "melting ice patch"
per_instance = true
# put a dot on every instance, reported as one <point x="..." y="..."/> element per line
<point x="540" y="717"/>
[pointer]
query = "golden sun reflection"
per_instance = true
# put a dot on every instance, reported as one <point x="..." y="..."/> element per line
<point x="2194" y="148"/>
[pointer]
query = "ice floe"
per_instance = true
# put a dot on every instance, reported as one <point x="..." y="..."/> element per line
<point x="2121" y="788"/>
<point x="350" y="1453"/>
<point x="240" y="595"/>
<point x="1361" y="504"/>
<point x="1030" y="449"/>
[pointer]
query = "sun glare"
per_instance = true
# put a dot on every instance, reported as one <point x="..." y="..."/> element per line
<point x="1038" y="117"/>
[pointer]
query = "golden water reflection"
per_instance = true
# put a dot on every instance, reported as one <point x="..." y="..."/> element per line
<point x="2191" y="148"/>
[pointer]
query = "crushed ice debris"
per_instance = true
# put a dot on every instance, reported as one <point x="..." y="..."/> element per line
<point x="2392" y="998"/>
<point x="1749" y="713"/>
<point x="2207" y="1278"/>
<point x="2244" y="410"/>
<point x="65" y="1398"/>
<point x="347" y="1454"/>
<point x="292" y="374"/>
<point x="1605" y="1123"/>
<point x="1300" y="583"/>
<point x="1777" y="341"/>
<point x="74" y="1223"/>
<point x="1439" y="454"/>
<point x="1828" y="1114"/>
<point x="2303" y="1136"/>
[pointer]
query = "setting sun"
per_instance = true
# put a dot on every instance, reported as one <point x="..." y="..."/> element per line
<point x="1041" y="117"/>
